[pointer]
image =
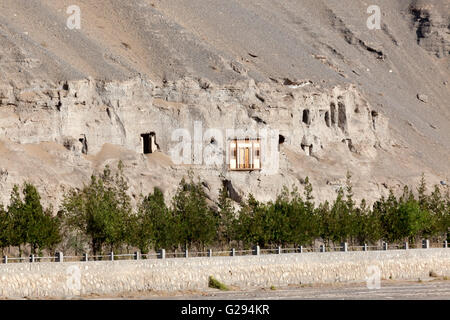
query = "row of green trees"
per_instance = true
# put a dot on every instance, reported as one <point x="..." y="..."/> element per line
<point x="293" y="219"/>
<point x="26" y="223"/>
<point x="100" y="215"/>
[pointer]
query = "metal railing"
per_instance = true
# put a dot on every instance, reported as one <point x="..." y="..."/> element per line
<point x="161" y="254"/>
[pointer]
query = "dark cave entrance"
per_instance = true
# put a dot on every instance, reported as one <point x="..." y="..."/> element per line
<point x="306" y="117"/>
<point x="148" y="143"/>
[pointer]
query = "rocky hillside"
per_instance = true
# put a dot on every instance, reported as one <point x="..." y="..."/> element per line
<point x="343" y="96"/>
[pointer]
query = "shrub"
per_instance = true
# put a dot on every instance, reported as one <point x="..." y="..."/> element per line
<point x="216" y="284"/>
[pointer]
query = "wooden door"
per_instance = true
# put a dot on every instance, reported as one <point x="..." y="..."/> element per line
<point x="241" y="158"/>
<point x="247" y="158"/>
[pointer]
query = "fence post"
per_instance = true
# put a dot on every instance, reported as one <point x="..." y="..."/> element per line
<point x="406" y="245"/>
<point x="5" y="259"/>
<point x="59" y="257"/>
<point x="344" y="246"/>
<point x="365" y="247"/>
<point x="300" y="249"/>
<point x="279" y="250"/>
<point x="426" y="244"/>
<point x="162" y="254"/>
<point x="85" y="257"/>
<point x="233" y="252"/>
<point x="32" y="259"/>
<point x="210" y="253"/>
<point x="111" y="256"/>
<point x="186" y="253"/>
<point x="321" y="248"/>
<point x="385" y="245"/>
<point x="256" y="251"/>
<point x="445" y="244"/>
<point x="137" y="255"/>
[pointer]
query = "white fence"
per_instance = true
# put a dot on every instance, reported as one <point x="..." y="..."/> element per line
<point x="162" y="254"/>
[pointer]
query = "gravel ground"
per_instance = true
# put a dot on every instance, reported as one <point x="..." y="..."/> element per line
<point x="388" y="291"/>
<point x="426" y="289"/>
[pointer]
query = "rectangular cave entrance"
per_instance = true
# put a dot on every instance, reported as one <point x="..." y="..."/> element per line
<point x="245" y="154"/>
<point x="148" y="143"/>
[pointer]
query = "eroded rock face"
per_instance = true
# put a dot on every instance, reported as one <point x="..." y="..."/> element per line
<point x="431" y="20"/>
<point x="86" y="113"/>
<point x="85" y="116"/>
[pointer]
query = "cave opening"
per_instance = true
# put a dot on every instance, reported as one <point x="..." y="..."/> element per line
<point x="374" y="118"/>
<point x="281" y="140"/>
<point x="306" y="117"/>
<point x="148" y="143"/>
<point x="84" y="145"/>
<point x="342" y="116"/>
<point x="307" y="149"/>
<point x="333" y="113"/>
<point x="327" y="119"/>
<point x="231" y="192"/>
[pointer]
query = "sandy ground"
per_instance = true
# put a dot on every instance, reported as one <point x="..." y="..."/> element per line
<point x="424" y="289"/>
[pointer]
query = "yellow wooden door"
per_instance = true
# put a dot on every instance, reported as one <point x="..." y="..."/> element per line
<point x="241" y="158"/>
<point x="247" y="158"/>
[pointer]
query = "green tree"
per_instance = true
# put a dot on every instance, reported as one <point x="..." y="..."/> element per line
<point x="275" y="222"/>
<point x="446" y="215"/>
<point x="225" y="218"/>
<point x="386" y="210"/>
<point x="327" y="222"/>
<point x="29" y="223"/>
<point x="403" y="218"/>
<point x="349" y="193"/>
<point x="301" y="226"/>
<point x="42" y="229"/>
<point x="351" y="222"/>
<point x="250" y="225"/>
<point x="17" y="228"/>
<point x="194" y="221"/>
<point x="369" y="229"/>
<point x="100" y="210"/>
<point x="340" y="224"/>
<point x="436" y="206"/>
<point x="4" y="228"/>
<point x="422" y="189"/>
<point x="50" y="231"/>
<point x="154" y="223"/>
<point x="413" y="220"/>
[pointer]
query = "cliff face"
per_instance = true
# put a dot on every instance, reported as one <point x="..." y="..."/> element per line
<point x="431" y="22"/>
<point x="79" y="122"/>
<point x="341" y="97"/>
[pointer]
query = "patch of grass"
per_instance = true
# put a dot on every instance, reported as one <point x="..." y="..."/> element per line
<point x="216" y="284"/>
<point x="445" y="278"/>
<point x="273" y="288"/>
